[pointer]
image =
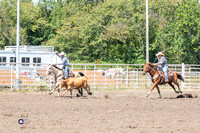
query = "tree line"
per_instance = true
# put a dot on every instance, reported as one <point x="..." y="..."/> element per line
<point x="111" y="30"/>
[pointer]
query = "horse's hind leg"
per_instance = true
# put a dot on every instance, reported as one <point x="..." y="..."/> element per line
<point x="178" y="87"/>
<point x="170" y="83"/>
<point x="80" y="91"/>
<point x="88" y="90"/>
<point x="160" y="96"/>
<point x="176" y="83"/>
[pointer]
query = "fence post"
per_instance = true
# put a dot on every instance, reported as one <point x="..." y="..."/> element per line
<point x="50" y="82"/>
<point x="85" y="71"/>
<point x="94" y="76"/>
<point x="72" y="67"/>
<point x="34" y="75"/>
<point x="117" y="77"/>
<point x="23" y="79"/>
<point x="137" y="79"/>
<point x="105" y="82"/>
<point x="11" y="77"/>
<point x="189" y="74"/>
<point x="183" y="74"/>
<point x="175" y="68"/>
<point x="126" y="76"/>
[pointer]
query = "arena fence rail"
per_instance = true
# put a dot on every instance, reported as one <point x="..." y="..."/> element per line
<point x="100" y="76"/>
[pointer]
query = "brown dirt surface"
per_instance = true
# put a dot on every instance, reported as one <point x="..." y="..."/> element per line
<point x="103" y="112"/>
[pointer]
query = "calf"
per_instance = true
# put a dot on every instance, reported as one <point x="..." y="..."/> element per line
<point x="74" y="83"/>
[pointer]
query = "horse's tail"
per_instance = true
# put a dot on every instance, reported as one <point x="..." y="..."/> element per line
<point x="179" y="76"/>
<point x="81" y="74"/>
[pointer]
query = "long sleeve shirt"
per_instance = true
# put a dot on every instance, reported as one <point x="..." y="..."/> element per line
<point x="63" y="60"/>
<point x="162" y="62"/>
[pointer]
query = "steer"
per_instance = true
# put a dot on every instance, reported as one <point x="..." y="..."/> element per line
<point x="74" y="83"/>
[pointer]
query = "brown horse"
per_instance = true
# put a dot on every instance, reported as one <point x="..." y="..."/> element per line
<point x="158" y="78"/>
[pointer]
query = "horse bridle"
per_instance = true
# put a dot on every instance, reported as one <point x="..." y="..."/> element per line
<point x="148" y="69"/>
<point x="150" y="73"/>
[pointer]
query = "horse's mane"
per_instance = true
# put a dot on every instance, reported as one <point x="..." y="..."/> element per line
<point x="56" y="67"/>
<point x="151" y="65"/>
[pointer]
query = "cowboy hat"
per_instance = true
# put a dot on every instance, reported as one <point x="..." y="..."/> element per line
<point x="159" y="53"/>
<point x="62" y="53"/>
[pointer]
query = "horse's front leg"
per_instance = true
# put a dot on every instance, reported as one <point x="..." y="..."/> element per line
<point x="55" y="86"/>
<point x="154" y="85"/>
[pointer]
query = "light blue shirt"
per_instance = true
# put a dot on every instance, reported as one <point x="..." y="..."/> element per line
<point x="162" y="62"/>
<point x="64" y="61"/>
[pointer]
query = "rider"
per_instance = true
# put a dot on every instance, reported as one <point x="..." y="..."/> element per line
<point x="162" y="62"/>
<point x="65" y="62"/>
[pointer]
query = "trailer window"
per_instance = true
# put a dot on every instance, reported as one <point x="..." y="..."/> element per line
<point x="13" y="60"/>
<point x="36" y="60"/>
<point x="25" y="61"/>
<point x="2" y="61"/>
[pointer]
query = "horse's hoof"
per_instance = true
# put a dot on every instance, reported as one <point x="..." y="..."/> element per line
<point x="77" y="95"/>
<point x="50" y="93"/>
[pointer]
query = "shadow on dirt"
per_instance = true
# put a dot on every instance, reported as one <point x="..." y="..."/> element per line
<point x="73" y="97"/>
<point x="186" y="95"/>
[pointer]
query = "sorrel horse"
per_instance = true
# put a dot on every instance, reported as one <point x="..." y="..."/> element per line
<point x="158" y="78"/>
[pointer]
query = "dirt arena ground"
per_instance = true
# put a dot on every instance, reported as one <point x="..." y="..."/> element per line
<point x="103" y="112"/>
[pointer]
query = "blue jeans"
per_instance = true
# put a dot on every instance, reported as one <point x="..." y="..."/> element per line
<point x="165" y="70"/>
<point x="66" y="72"/>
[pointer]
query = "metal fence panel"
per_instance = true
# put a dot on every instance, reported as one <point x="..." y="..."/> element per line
<point x="100" y="76"/>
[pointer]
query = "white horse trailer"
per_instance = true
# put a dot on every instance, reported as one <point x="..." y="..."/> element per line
<point x="30" y="56"/>
<point x="33" y="60"/>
